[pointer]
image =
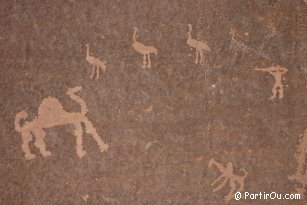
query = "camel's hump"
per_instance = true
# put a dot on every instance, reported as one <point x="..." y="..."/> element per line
<point x="50" y="106"/>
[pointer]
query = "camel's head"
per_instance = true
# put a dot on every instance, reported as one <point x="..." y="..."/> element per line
<point x="135" y="29"/>
<point x="190" y="26"/>
<point x="73" y="90"/>
<point x="87" y="46"/>
<point x="20" y="116"/>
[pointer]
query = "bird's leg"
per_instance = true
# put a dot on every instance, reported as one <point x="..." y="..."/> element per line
<point x="97" y="72"/>
<point x="144" y="61"/>
<point x="201" y="53"/>
<point x="93" y="70"/>
<point x="149" y="61"/>
<point x="196" y="57"/>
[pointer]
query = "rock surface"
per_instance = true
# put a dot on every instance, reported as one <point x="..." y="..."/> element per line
<point x="162" y="124"/>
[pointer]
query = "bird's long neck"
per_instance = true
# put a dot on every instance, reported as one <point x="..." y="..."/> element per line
<point x="134" y="35"/>
<point x="189" y="33"/>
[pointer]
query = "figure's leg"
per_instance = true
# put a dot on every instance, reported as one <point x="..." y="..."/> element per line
<point x="40" y="143"/>
<point x="26" y="137"/>
<point x="196" y="57"/>
<point x="93" y="71"/>
<point x="281" y="92"/>
<point x="274" y="91"/>
<point x="230" y="195"/>
<point x="97" y="75"/>
<point x="241" y="184"/>
<point x="149" y="61"/>
<point x="90" y="129"/>
<point x="301" y="158"/>
<point x="78" y="132"/>
<point x="144" y="61"/>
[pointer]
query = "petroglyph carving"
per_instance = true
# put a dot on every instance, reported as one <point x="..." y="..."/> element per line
<point x="237" y="45"/>
<point x="50" y="114"/>
<point x="227" y="174"/>
<point x="277" y="71"/>
<point x="200" y="19"/>
<point x="95" y="62"/>
<point x="300" y="174"/>
<point x="144" y="50"/>
<point x="200" y="47"/>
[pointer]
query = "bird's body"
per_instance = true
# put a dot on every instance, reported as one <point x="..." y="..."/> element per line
<point x="95" y="62"/>
<point x="144" y="50"/>
<point x="199" y="46"/>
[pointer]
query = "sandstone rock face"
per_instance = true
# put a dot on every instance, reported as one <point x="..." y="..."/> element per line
<point x="173" y="107"/>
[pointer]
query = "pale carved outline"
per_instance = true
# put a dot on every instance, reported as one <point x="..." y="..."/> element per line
<point x="228" y="175"/>
<point x="50" y="114"/>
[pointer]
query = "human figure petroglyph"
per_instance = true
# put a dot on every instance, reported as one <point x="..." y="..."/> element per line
<point x="144" y="50"/>
<point x="227" y="174"/>
<point x="277" y="71"/>
<point x="50" y="114"/>
<point x="200" y="47"/>
<point x="301" y="175"/>
<point x="95" y="62"/>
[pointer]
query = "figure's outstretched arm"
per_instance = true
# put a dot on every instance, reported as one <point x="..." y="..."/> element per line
<point x="221" y="185"/>
<point x="218" y="179"/>
<point x="220" y="167"/>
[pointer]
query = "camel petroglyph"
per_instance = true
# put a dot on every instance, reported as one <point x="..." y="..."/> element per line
<point x="50" y="114"/>
<point x="143" y="49"/>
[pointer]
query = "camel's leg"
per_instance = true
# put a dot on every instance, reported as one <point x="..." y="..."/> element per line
<point x="40" y="143"/>
<point x="93" y="71"/>
<point x="274" y="91"/>
<point x="92" y="131"/>
<point x="79" y="142"/>
<point x="149" y="61"/>
<point x="97" y="75"/>
<point x="26" y="137"/>
<point x="196" y="57"/>
<point x="144" y="61"/>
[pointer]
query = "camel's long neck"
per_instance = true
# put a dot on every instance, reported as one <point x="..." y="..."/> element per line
<point x="189" y="33"/>
<point x="134" y="36"/>
<point x="79" y="100"/>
